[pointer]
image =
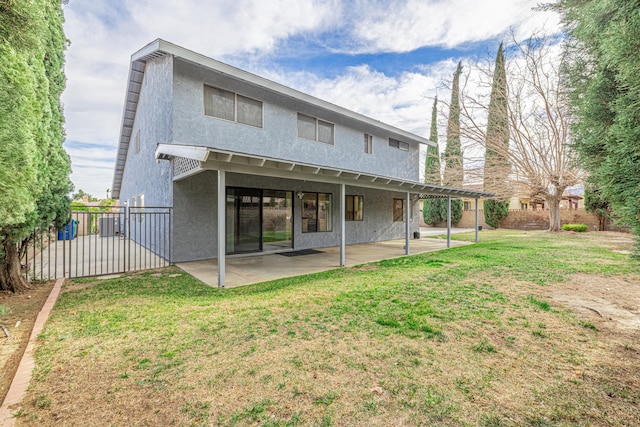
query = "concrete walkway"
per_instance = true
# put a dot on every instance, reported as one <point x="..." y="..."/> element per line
<point x="91" y="255"/>
<point x="254" y="268"/>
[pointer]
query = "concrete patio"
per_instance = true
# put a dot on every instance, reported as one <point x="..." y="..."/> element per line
<point x="248" y="269"/>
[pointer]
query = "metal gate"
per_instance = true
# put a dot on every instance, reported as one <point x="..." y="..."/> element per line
<point x="101" y="241"/>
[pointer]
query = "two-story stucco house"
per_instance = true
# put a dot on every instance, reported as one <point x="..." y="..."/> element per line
<point x="252" y="166"/>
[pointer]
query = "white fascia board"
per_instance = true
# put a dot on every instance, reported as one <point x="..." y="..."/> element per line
<point x="160" y="45"/>
<point x="187" y="151"/>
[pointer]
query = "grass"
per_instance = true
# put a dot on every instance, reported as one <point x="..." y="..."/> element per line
<point x="4" y="310"/>
<point x="458" y="337"/>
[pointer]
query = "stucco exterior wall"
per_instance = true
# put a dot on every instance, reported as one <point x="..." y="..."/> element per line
<point x="195" y="214"/>
<point x="278" y="137"/>
<point x="154" y="120"/>
<point x="195" y="217"/>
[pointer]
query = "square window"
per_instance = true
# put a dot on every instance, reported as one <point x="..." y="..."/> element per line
<point x="325" y="132"/>
<point x="306" y="127"/>
<point x="219" y="103"/>
<point x="249" y="111"/>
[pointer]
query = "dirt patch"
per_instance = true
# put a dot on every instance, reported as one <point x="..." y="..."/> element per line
<point x="24" y="309"/>
<point x="609" y="302"/>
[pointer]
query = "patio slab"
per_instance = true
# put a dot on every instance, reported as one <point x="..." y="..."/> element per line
<point x="255" y="268"/>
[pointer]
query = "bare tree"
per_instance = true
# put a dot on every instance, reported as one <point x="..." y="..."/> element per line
<point x="539" y="148"/>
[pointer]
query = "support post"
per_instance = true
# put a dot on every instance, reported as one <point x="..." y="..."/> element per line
<point x="449" y="221"/>
<point x="222" y="233"/>
<point x="343" y="256"/>
<point x="407" y="220"/>
<point x="477" y="219"/>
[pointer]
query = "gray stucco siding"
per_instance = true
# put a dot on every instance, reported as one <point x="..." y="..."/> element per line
<point x="195" y="217"/>
<point x="278" y="138"/>
<point x="195" y="214"/>
<point x="143" y="175"/>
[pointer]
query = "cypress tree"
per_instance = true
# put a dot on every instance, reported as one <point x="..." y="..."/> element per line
<point x="453" y="168"/>
<point x="497" y="167"/>
<point x="35" y="168"/>
<point x="434" y="211"/>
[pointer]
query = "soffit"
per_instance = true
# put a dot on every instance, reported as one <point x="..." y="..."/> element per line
<point x="204" y="158"/>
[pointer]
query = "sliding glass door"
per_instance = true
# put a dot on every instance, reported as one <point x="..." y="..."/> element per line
<point x="277" y="220"/>
<point x="258" y="220"/>
<point x="244" y="218"/>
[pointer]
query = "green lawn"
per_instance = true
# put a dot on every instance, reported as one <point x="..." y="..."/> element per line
<point x="464" y="336"/>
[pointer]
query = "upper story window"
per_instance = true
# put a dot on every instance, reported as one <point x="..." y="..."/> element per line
<point x="398" y="144"/>
<point x="230" y="106"/>
<point x="368" y="143"/>
<point x="136" y="143"/>
<point x="315" y="129"/>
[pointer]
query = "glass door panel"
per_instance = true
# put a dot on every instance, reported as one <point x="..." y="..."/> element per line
<point x="244" y="219"/>
<point x="277" y="220"/>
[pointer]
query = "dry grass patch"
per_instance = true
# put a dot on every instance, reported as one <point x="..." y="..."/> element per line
<point x="468" y="336"/>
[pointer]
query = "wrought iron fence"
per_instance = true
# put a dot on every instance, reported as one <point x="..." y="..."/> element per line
<point x="101" y="241"/>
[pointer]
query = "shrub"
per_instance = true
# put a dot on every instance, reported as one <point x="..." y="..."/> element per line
<point x="575" y="227"/>
<point x="495" y="211"/>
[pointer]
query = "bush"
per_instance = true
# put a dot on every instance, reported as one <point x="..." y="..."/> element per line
<point x="575" y="227"/>
<point x="495" y="211"/>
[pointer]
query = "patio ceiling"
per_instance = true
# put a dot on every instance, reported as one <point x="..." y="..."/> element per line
<point x="204" y="158"/>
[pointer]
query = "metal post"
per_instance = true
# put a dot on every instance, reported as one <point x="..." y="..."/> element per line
<point x="407" y="219"/>
<point x="477" y="219"/>
<point x="449" y="221"/>
<point x="342" y="226"/>
<point x="222" y="234"/>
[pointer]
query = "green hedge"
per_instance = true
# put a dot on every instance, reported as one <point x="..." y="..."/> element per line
<point x="575" y="227"/>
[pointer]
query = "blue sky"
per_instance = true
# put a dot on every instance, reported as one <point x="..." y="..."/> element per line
<point x="383" y="58"/>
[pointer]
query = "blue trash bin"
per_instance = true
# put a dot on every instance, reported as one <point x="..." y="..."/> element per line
<point x="69" y="232"/>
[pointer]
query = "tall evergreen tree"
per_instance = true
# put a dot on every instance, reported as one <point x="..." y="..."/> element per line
<point x="434" y="211"/>
<point x="603" y="73"/>
<point x="35" y="168"/>
<point x="432" y="161"/>
<point x="453" y="172"/>
<point x="453" y="167"/>
<point x="497" y="166"/>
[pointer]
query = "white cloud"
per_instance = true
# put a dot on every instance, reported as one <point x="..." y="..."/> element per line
<point x="104" y="34"/>
<point x="405" y="25"/>
<point x="404" y="101"/>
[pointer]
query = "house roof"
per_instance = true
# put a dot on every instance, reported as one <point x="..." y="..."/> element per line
<point x="159" y="48"/>
<point x="199" y="159"/>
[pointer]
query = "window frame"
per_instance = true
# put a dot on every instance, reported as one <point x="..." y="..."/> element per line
<point x="317" y="123"/>
<point x="400" y="145"/>
<point x="235" y="107"/>
<point x="352" y="215"/>
<point x="136" y="142"/>
<point x="368" y="143"/>
<point x="397" y="218"/>
<point x="316" y="217"/>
